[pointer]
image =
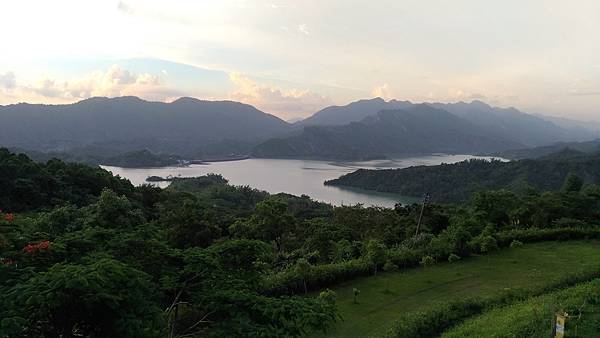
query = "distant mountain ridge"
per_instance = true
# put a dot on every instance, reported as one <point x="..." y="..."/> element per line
<point x="513" y="124"/>
<point x="508" y="123"/>
<point x="122" y="124"/>
<point x="352" y="112"/>
<point x="351" y="131"/>
<point x="100" y="128"/>
<point x="538" y="152"/>
<point x="417" y="129"/>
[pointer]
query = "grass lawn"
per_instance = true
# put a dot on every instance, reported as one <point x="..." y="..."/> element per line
<point x="533" y="317"/>
<point x="386" y="297"/>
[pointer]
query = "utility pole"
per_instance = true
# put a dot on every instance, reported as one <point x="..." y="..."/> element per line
<point x="425" y="202"/>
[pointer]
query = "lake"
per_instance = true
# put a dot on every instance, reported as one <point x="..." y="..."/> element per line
<point x="297" y="177"/>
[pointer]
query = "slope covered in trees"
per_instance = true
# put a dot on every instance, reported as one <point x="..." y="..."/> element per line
<point x="88" y="254"/>
<point x="457" y="182"/>
<point x="419" y="129"/>
<point x="537" y="152"/>
<point x="185" y="127"/>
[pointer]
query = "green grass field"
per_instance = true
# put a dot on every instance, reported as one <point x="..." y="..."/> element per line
<point x="383" y="299"/>
<point x="533" y="317"/>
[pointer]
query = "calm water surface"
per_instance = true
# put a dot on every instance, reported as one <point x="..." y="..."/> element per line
<point x="297" y="177"/>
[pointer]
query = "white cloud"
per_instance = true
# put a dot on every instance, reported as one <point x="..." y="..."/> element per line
<point x="8" y="80"/>
<point x="125" y="8"/>
<point x="303" y="28"/>
<point x="286" y="103"/>
<point x="382" y="91"/>
<point x="48" y="88"/>
<point x="115" y="81"/>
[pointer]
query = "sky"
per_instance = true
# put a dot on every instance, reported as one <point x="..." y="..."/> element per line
<point x="292" y="58"/>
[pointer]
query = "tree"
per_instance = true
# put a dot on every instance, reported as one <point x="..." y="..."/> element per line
<point x="495" y="206"/>
<point x="573" y="183"/>
<point x="376" y="253"/>
<point x="271" y="221"/>
<point x="427" y="261"/>
<point x="220" y="292"/>
<point x="100" y="298"/>
<point x="188" y="225"/>
<point x="303" y="268"/>
<point x="114" y="211"/>
<point x="487" y="244"/>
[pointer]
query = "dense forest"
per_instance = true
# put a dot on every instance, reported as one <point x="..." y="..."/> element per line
<point x="84" y="253"/>
<point x="537" y="152"/>
<point x="457" y="182"/>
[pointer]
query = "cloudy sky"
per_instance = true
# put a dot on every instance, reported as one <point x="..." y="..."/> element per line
<point x="291" y="58"/>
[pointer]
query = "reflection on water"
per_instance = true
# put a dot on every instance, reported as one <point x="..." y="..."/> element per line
<point x="297" y="177"/>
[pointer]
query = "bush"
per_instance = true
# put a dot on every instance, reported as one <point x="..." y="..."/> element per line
<point x="516" y="244"/>
<point x="427" y="261"/>
<point x="390" y="266"/>
<point x="320" y="276"/>
<point x="453" y="258"/>
<point x="290" y="282"/>
<point x="504" y="238"/>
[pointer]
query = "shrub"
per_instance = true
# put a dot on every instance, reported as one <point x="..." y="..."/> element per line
<point x="390" y="266"/>
<point x="453" y="258"/>
<point x="403" y="256"/>
<point x="516" y="244"/>
<point x="427" y="261"/>
<point x="320" y="276"/>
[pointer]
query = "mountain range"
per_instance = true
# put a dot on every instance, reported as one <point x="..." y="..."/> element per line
<point x="187" y="126"/>
<point x="418" y="129"/>
<point x="377" y="128"/>
<point x="103" y="128"/>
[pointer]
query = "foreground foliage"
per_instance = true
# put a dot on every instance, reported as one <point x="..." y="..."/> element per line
<point x="534" y="317"/>
<point x="84" y="253"/>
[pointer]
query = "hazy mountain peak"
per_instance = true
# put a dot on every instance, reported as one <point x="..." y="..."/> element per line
<point x="118" y="99"/>
<point x="480" y="104"/>
<point x="352" y="112"/>
<point x="186" y="100"/>
<point x="130" y="123"/>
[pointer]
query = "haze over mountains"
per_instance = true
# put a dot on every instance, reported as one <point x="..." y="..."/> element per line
<point x="186" y="126"/>
<point x="196" y="129"/>
<point x="418" y="129"/>
<point x="359" y="130"/>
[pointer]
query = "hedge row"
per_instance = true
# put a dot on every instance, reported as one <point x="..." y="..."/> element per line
<point x="433" y="322"/>
<point x="326" y="275"/>
<point x="319" y="276"/>
<point x="533" y="317"/>
<point x="539" y="235"/>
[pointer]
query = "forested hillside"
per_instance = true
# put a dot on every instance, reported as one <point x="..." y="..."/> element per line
<point x="537" y="152"/>
<point x="457" y="182"/>
<point x="419" y="129"/>
<point x="97" y="126"/>
<point x="504" y="123"/>
<point x="83" y="253"/>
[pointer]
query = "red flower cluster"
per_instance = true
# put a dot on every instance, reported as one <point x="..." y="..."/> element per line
<point x="36" y="247"/>
<point x="9" y="217"/>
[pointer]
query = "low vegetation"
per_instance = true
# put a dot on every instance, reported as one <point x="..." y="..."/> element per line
<point x="84" y="253"/>
<point x="534" y="317"/>
<point x="405" y="304"/>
